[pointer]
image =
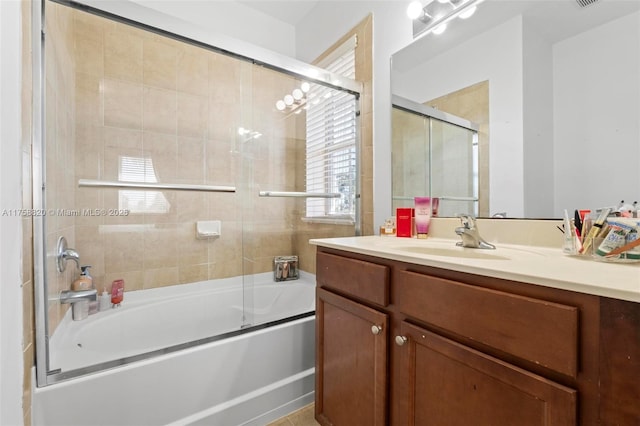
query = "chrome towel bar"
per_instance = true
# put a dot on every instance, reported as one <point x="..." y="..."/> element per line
<point x="299" y="194"/>
<point x="91" y="183"/>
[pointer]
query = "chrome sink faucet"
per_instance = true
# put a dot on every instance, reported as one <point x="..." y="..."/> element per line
<point x="469" y="233"/>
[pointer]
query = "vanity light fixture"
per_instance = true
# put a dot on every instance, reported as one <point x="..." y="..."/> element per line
<point x="414" y="10"/>
<point x="433" y="16"/>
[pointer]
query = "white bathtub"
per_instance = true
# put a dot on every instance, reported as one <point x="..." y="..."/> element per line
<point x="250" y="378"/>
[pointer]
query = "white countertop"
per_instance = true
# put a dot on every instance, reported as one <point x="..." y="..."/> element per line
<point x="530" y="264"/>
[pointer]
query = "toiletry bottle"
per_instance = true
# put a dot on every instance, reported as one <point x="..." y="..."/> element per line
<point x="105" y="300"/>
<point x="388" y="229"/>
<point x="84" y="282"/>
<point x="117" y="293"/>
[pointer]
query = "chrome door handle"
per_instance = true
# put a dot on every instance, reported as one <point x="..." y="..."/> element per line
<point x="376" y="329"/>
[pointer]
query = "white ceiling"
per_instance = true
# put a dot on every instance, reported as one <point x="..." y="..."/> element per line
<point x="289" y="11"/>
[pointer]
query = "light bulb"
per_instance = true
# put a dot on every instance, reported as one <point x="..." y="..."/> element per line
<point x="305" y="87"/>
<point x="288" y="99"/>
<point x="280" y="105"/>
<point x="297" y="94"/>
<point x="468" y="13"/>
<point x="414" y="10"/>
<point x="439" y="29"/>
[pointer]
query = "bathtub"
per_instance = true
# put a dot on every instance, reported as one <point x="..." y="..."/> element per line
<point x="253" y="375"/>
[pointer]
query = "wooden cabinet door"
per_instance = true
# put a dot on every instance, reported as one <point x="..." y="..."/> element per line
<point x="446" y="383"/>
<point x="351" y="362"/>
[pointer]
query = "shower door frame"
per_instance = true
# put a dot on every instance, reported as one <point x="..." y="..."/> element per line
<point x="149" y="20"/>
<point x="430" y="113"/>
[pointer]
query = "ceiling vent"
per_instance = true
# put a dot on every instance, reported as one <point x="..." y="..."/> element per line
<point x="585" y="3"/>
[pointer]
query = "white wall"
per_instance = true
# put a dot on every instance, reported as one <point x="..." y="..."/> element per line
<point x="538" y="158"/>
<point x="495" y="55"/>
<point x="232" y="19"/>
<point x="597" y="126"/>
<point x="11" y="364"/>
<point x="392" y="31"/>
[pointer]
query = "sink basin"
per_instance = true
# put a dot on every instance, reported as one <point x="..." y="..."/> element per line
<point x="449" y="249"/>
<point x="458" y="252"/>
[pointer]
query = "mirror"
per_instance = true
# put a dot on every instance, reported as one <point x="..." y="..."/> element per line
<point x="563" y="100"/>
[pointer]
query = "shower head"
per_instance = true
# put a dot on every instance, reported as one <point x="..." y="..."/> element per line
<point x="585" y="3"/>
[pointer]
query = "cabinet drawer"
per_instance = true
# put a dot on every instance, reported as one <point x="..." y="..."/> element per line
<point x="536" y="330"/>
<point x="364" y="280"/>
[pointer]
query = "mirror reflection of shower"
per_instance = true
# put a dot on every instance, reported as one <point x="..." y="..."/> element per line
<point x="434" y="154"/>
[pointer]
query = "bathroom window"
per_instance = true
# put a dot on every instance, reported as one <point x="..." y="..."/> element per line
<point x="331" y="141"/>
<point x="138" y="169"/>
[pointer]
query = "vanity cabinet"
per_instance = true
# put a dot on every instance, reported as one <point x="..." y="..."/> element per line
<point x="352" y="343"/>
<point x="406" y="344"/>
<point x="352" y="362"/>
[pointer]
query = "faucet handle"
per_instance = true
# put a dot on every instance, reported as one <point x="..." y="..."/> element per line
<point x="64" y="253"/>
<point x="468" y="221"/>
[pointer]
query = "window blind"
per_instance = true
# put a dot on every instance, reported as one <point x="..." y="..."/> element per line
<point x="331" y="141"/>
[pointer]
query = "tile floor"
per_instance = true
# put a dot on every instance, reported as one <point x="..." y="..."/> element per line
<point x="302" y="417"/>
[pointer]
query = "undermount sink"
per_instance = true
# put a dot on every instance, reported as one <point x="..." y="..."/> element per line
<point x="439" y="249"/>
<point x="454" y="252"/>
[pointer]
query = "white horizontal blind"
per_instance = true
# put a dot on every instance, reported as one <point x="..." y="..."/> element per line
<point x="331" y="141"/>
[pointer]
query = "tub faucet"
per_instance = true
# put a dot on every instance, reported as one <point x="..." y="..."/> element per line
<point x="65" y="253"/>
<point x="469" y="233"/>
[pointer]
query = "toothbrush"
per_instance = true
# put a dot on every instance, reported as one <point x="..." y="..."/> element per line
<point x="595" y="229"/>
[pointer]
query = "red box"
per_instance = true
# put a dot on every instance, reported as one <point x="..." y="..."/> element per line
<point x="404" y="227"/>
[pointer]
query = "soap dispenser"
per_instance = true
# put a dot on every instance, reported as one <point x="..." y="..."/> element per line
<point x="85" y="281"/>
<point x="80" y="309"/>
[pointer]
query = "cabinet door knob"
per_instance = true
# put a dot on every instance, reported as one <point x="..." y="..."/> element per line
<point x="376" y="329"/>
<point x="400" y="340"/>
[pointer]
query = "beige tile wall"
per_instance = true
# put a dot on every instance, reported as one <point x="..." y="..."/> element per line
<point x="181" y="106"/>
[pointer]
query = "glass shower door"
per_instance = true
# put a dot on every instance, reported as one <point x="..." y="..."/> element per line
<point x="283" y="204"/>
<point x="454" y="168"/>
<point x="410" y="152"/>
